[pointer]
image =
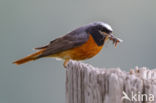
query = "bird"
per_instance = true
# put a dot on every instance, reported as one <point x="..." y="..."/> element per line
<point x="80" y="44"/>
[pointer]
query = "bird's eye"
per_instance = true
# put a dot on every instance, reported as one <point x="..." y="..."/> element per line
<point x="107" y="31"/>
<point x="103" y="33"/>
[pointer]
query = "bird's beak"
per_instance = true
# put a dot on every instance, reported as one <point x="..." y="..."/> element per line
<point x="115" y="40"/>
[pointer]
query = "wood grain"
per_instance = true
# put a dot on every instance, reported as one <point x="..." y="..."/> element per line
<point x="88" y="84"/>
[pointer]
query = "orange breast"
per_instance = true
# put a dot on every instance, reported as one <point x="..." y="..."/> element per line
<point x="85" y="51"/>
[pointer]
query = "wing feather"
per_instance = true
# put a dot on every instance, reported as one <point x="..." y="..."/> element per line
<point x="71" y="40"/>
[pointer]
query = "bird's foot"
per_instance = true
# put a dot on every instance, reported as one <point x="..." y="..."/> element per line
<point x="66" y="63"/>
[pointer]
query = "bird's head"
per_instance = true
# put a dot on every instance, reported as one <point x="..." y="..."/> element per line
<point x="102" y="32"/>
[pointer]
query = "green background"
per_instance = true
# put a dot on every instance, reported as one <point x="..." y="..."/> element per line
<point x="25" y="24"/>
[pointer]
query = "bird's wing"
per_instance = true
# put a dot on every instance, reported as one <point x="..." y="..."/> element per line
<point x="71" y="40"/>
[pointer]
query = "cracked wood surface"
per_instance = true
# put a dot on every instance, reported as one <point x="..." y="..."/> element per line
<point x="87" y="84"/>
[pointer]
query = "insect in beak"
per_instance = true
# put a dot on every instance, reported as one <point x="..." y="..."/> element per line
<point x="115" y="40"/>
<point x="112" y="38"/>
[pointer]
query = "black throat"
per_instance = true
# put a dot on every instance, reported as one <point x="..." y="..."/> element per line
<point x="99" y="39"/>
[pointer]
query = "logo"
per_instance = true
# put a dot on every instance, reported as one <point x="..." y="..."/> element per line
<point x="138" y="97"/>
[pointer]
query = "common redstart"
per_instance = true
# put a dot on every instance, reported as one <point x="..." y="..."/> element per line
<point x="80" y="44"/>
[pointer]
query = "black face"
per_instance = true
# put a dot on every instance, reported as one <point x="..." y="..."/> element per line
<point x="99" y="38"/>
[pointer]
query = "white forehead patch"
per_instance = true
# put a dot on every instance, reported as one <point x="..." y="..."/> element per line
<point x="103" y="24"/>
<point x="107" y="26"/>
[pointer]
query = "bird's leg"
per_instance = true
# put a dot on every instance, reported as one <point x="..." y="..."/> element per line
<point x="66" y="62"/>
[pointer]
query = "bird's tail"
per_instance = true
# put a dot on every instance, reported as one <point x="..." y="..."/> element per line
<point x="29" y="58"/>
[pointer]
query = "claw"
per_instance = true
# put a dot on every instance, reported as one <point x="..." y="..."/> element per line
<point x="66" y="63"/>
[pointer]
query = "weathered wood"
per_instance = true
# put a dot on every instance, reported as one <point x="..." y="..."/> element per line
<point x="87" y="84"/>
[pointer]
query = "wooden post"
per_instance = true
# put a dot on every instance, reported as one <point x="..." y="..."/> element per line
<point x="87" y="84"/>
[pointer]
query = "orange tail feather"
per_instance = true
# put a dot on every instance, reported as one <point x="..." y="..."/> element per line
<point x="28" y="58"/>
